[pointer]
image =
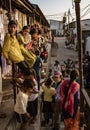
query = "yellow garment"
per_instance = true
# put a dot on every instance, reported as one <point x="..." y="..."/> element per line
<point x="24" y="40"/>
<point x="21" y="39"/>
<point x="11" y="49"/>
<point x="48" y="93"/>
<point x="29" y="56"/>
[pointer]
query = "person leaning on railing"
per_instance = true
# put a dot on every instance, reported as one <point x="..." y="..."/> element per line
<point x="11" y="49"/>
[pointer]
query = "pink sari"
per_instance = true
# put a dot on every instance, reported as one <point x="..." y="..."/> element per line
<point x="70" y="123"/>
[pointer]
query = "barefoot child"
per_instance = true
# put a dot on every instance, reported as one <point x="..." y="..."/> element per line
<point x="20" y="107"/>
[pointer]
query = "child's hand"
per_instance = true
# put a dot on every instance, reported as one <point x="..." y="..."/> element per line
<point x="28" y="115"/>
<point x="54" y="92"/>
<point x="35" y="91"/>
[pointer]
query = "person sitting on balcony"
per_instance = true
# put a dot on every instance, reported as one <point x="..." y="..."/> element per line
<point x="29" y="55"/>
<point x="44" y="54"/>
<point x="11" y="49"/>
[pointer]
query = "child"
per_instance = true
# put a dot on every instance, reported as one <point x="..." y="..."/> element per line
<point x="50" y="73"/>
<point x="44" y="54"/>
<point x="37" y="67"/>
<point x="57" y="66"/>
<point x="20" y="107"/>
<point x="49" y="91"/>
<point x="29" y="56"/>
<point x="11" y="49"/>
<point x="32" y="105"/>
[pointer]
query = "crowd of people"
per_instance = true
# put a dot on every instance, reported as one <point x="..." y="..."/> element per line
<point x="60" y="90"/>
<point x="61" y="98"/>
<point x="30" y="39"/>
<point x="24" y="50"/>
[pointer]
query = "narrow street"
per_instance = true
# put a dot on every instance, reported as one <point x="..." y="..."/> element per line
<point x="63" y="53"/>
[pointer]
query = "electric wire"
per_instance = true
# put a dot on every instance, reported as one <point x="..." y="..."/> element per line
<point x="84" y="12"/>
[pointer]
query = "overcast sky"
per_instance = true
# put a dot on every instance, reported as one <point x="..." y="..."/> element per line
<point x="55" y="9"/>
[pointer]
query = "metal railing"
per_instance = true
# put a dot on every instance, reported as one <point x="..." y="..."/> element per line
<point x="86" y="107"/>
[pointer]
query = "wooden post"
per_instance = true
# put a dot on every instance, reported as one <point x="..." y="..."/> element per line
<point x="79" y="37"/>
<point x="34" y="16"/>
<point x="10" y="7"/>
<point x="10" y="10"/>
<point x="14" y="85"/>
<point x="13" y="66"/>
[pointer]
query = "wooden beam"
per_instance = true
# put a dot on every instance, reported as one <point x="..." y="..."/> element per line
<point x="86" y="97"/>
<point x="24" y="5"/>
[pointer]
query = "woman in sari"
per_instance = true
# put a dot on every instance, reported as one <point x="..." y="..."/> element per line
<point x="70" y="101"/>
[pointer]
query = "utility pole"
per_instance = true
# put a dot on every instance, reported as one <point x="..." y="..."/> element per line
<point x="79" y="37"/>
<point x="64" y="22"/>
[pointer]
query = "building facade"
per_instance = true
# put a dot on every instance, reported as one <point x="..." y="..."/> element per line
<point x="56" y="27"/>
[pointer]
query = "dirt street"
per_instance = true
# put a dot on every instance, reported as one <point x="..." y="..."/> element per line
<point x="62" y="52"/>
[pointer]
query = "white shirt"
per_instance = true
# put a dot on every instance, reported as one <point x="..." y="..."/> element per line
<point x="21" y="103"/>
<point x="33" y="96"/>
<point x="57" y="68"/>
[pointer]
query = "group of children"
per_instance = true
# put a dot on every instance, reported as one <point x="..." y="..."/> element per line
<point x="23" y="50"/>
<point x="26" y="106"/>
<point x="20" y="47"/>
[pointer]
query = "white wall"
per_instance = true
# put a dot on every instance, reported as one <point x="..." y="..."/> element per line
<point x="85" y="24"/>
<point x="56" y="25"/>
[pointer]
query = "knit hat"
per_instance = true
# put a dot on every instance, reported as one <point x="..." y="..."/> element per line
<point x="57" y="73"/>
